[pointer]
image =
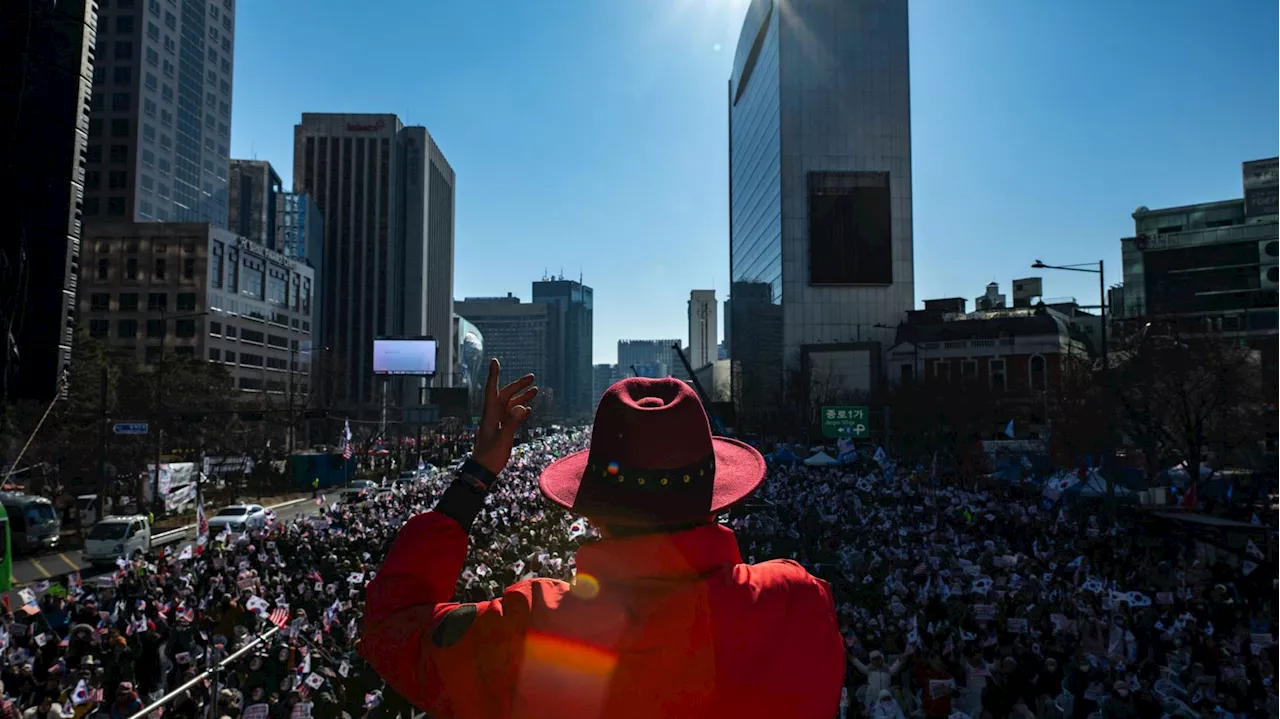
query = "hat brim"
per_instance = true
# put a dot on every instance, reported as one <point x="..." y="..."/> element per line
<point x="739" y="470"/>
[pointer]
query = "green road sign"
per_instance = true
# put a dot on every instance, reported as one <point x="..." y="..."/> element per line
<point x="850" y="422"/>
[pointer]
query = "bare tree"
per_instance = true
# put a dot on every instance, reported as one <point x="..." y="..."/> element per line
<point x="1182" y="398"/>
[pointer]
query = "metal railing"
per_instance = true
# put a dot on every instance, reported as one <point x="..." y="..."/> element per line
<point x="202" y="675"/>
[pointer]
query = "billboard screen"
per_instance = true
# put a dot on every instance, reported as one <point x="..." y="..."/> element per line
<point x="408" y="357"/>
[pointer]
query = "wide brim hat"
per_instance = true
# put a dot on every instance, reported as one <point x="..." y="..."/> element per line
<point x="653" y="460"/>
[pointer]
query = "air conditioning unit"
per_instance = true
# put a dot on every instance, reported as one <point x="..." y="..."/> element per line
<point x="1269" y="276"/>
<point x="1269" y="251"/>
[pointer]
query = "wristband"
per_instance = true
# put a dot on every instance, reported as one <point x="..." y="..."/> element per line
<point x="476" y="476"/>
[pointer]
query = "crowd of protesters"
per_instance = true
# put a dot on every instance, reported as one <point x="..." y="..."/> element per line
<point x="114" y="643"/>
<point x="953" y="601"/>
<point x="990" y="600"/>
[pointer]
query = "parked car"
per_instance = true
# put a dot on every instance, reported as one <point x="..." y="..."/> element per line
<point x="238" y="518"/>
<point x="363" y="484"/>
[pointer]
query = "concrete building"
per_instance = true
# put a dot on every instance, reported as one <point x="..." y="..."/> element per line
<point x="254" y="188"/>
<point x="716" y="380"/>
<point x="46" y="67"/>
<point x="819" y="188"/>
<point x="160" y="126"/>
<point x="1210" y="267"/>
<point x="703" y="327"/>
<point x="1016" y="353"/>
<point x="569" y="363"/>
<point x="387" y="196"/>
<point x="517" y="333"/>
<point x="655" y="358"/>
<point x="201" y="292"/>
<point x="605" y="376"/>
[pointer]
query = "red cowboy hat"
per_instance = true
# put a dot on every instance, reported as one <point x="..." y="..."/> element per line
<point x="653" y="460"/>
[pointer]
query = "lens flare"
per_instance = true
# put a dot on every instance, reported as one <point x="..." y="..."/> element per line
<point x="613" y="468"/>
<point x="585" y="586"/>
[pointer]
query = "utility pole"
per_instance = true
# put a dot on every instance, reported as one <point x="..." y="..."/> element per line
<point x="155" y="418"/>
<point x="102" y="446"/>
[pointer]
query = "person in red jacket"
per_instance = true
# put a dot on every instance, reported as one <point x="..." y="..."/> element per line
<point x="662" y="619"/>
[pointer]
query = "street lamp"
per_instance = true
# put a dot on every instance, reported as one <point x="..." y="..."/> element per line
<point x="1106" y="365"/>
<point x="164" y="332"/>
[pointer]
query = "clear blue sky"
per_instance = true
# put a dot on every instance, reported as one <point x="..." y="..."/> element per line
<point x="590" y="135"/>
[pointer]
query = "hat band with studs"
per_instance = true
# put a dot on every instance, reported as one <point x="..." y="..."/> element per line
<point x="637" y="478"/>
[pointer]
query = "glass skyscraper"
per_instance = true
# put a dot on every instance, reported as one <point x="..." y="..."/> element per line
<point x="819" y="185"/>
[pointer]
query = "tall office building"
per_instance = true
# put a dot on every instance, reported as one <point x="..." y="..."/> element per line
<point x="252" y="208"/>
<point x="160" y="129"/>
<point x="46" y="67"/>
<point x="299" y="234"/>
<point x="569" y="364"/>
<point x="386" y="194"/>
<point x="703" y="327"/>
<point x="515" y="333"/>
<point x="819" y="187"/>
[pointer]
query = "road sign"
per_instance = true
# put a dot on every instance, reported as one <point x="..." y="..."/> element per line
<point x="850" y="422"/>
<point x="130" y="428"/>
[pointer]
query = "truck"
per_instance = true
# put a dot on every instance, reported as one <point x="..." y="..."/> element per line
<point x="128" y="536"/>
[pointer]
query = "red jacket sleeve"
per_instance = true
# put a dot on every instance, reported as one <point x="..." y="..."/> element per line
<point x="448" y="659"/>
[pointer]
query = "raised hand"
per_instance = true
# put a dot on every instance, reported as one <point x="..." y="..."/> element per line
<point x="504" y="411"/>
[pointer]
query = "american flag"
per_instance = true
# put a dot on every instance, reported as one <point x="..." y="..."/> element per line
<point x="279" y="617"/>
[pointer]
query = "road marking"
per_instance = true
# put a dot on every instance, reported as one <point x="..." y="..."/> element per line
<point x="74" y="567"/>
<point x="37" y="565"/>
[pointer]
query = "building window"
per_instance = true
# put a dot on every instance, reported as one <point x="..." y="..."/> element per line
<point x="95" y="127"/>
<point x="942" y="370"/>
<point x="118" y="180"/>
<point x="249" y="383"/>
<point x="254" y="336"/>
<point x="127" y="329"/>
<point x="119" y="128"/>
<point x="229" y="357"/>
<point x="215" y="354"/>
<point x="148" y="157"/>
<point x="155" y="329"/>
<point x="167" y="68"/>
<point x="999" y="380"/>
<point x="128" y="301"/>
<point x="969" y="369"/>
<point x="124" y="24"/>
<point x="186" y="302"/>
<point x="149" y="107"/>
<point x="92" y="180"/>
<point x="122" y="75"/>
<point x="185" y="328"/>
<point x="120" y="102"/>
<point x="1036" y="371"/>
<point x="152" y="354"/>
<point x="100" y="301"/>
<point x="99" y="328"/>
<point x="104" y="266"/>
<point x="157" y="301"/>
<point x="189" y="268"/>
<point x="124" y="50"/>
<point x="215" y="270"/>
<point x="161" y="267"/>
<point x="215" y="329"/>
<point x="154" y="7"/>
<point x="187" y="352"/>
<point x="115" y="207"/>
<point x="91" y="207"/>
<point x="153" y="32"/>
<point x="170" y="20"/>
<point x="248" y="359"/>
<point x="131" y="268"/>
<point x="119" y="153"/>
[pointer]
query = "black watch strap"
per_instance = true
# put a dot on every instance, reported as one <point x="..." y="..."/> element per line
<point x="464" y="498"/>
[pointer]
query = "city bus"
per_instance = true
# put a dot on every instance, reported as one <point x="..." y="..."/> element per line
<point x="6" y="553"/>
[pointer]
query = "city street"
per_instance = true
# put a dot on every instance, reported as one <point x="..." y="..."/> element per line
<point x="57" y="564"/>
